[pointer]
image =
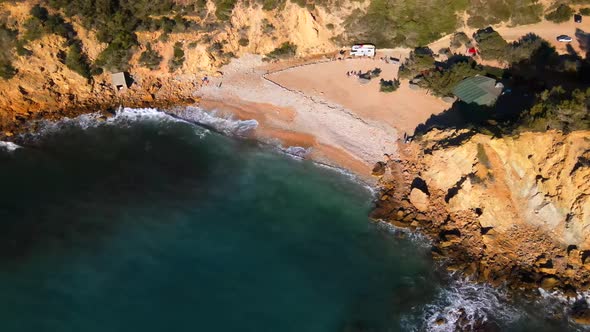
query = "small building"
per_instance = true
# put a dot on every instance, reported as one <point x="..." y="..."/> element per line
<point x="121" y="81"/>
<point x="481" y="90"/>
<point x="362" y="50"/>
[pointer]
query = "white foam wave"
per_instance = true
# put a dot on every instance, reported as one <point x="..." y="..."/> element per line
<point x="123" y="117"/>
<point x="464" y="305"/>
<point x="297" y="151"/>
<point x="226" y="125"/>
<point x="416" y="237"/>
<point x="9" y="146"/>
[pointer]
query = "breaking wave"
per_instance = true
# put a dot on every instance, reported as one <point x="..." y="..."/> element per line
<point x="226" y="125"/>
<point x="124" y="117"/>
<point x="8" y="146"/>
<point x="466" y="306"/>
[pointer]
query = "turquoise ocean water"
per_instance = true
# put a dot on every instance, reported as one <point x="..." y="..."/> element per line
<point x="149" y="223"/>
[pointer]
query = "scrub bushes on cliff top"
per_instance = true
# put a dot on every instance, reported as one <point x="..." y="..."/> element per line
<point x="41" y="23"/>
<point x="77" y="61"/>
<point x="558" y="109"/>
<point x="8" y="41"/>
<point x="561" y="14"/>
<point x="178" y="58"/>
<point x="150" y="58"/>
<point x="488" y="12"/>
<point x="286" y="50"/>
<point x="390" y="23"/>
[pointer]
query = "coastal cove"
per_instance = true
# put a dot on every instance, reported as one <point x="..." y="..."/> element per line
<point x="144" y="213"/>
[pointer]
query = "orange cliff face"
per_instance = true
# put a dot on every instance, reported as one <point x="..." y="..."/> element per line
<point x="44" y="87"/>
<point x="513" y="209"/>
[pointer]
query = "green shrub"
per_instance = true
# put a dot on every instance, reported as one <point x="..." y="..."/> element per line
<point x="177" y="59"/>
<point x="558" y="109"/>
<point x="419" y="60"/>
<point x="528" y="14"/>
<point x="388" y="86"/>
<point x="267" y="27"/>
<point x="490" y="12"/>
<point x="41" y="23"/>
<point x="273" y="4"/>
<point x="8" y="39"/>
<point x="585" y="11"/>
<point x="459" y="39"/>
<point x="150" y="58"/>
<point x="224" y="9"/>
<point x="244" y="41"/>
<point x="286" y="50"/>
<point x="77" y="61"/>
<point x="330" y="26"/>
<point x="442" y="82"/>
<point x="491" y="45"/>
<point x="391" y="23"/>
<point x="115" y="57"/>
<point x="561" y="14"/>
<point x="7" y="71"/>
<point x="524" y="48"/>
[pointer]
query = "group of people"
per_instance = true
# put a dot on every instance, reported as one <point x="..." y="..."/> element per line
<point x="353" y="73"/>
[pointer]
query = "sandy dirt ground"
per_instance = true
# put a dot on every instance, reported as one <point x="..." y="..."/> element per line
<point x="403" y="109"/>
<point x="353" y="135"/>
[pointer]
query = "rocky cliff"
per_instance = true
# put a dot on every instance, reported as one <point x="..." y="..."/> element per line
<point x="44" y="87"/>
<point x="512" y="209"/>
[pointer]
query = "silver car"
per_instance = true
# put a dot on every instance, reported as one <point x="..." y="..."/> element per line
<point x="564" y="38"/>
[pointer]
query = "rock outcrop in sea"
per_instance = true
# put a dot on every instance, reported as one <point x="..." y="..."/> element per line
<point x="511" y="210"/>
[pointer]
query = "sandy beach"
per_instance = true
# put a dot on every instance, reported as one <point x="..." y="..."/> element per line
<point x="317" y="106"/>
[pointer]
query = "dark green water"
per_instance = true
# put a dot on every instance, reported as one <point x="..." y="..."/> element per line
<point x="158" y="225"/>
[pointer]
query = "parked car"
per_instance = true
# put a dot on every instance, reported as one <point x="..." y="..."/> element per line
<point x="564" y="38"/>
<point x="578" y="18"/>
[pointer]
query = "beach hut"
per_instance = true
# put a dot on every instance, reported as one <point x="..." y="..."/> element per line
<point x="480" y="90"/>
<point x="121" y="81"/>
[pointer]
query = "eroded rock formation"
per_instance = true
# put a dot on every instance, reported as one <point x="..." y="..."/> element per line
<point x="512" y="209"/>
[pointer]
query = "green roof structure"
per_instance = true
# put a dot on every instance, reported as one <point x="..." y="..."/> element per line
<point x="478" y="89"/>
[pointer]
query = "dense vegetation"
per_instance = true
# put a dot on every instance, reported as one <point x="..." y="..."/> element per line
<point x="562" y="13"/>
<point x="559" y="109"/>
<point x="286" y="50"/>
<point x="483" y="13"/>
<point x="8" y="40"/>
<point x="116" y="22"/>
<point x="150" y="58"/>
<point x="388" y="85"/>
<point x="390" y="23"/>
<point x="490" y="44"/>
<point x="177" y="58"/>
<point x="77" y="61"/>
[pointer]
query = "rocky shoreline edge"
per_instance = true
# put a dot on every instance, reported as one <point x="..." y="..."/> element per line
<point x="521" y="257"/>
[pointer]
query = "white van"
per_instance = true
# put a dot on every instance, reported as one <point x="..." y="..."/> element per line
<point x="362" y="50"/>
